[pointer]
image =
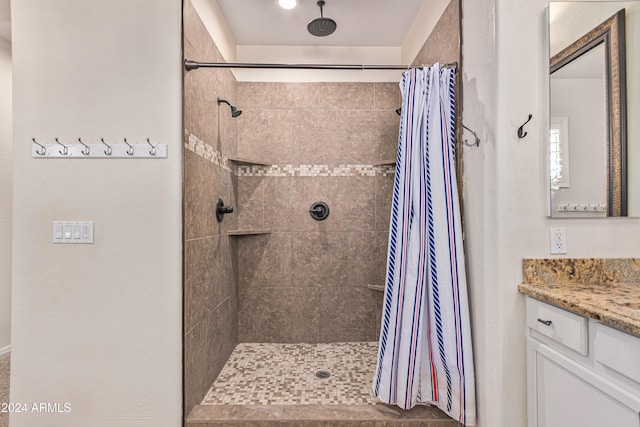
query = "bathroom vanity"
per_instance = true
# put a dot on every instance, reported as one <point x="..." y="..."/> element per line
<point x="583" y="354"/>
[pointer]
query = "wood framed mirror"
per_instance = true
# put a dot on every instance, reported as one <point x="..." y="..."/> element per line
<point x="588" y="105"/>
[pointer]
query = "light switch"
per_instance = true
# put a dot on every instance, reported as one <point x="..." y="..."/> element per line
<point x="57" y="232"/>
<point x="72" y="231"/>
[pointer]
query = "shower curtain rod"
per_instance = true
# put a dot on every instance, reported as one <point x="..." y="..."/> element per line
<point x="192" y="65"/>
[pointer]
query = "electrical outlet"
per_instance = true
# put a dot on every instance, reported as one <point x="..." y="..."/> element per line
<point x="558" y="240"/>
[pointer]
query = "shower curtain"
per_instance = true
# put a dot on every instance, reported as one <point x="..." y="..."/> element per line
<point x="425" y="353"/>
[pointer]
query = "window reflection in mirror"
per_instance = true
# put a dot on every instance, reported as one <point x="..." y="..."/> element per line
<point x="587" y="148"/>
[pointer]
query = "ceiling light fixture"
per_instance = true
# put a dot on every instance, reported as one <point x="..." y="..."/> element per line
<point x="288" y="4"/>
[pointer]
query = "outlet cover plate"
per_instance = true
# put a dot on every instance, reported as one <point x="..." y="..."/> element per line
<point x="558" y="240"/>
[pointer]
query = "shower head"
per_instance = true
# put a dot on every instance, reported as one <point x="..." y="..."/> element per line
<point x="235" y="111"/>
<point x="321" y="27"/>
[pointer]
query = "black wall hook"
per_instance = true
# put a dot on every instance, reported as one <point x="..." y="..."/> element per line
<point x="521" y="132"/>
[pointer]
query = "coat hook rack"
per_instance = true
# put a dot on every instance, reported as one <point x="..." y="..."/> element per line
<point x="99" y="150"/>
<point x="521" y="132"/>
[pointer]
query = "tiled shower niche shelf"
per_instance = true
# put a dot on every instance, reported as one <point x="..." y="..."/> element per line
<point x="385" y="162"/>
<point x="246" y="161"/>
<point x="379" y="288"/>
<point x="246" y="232"/>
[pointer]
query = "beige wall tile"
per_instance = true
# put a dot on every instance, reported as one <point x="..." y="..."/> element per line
<point x="387" y="96"/>
<point x="384" y="197"/>
<point x="251" y="95"/>
<point x="290" y="96"/>
<point x="210" y="268"/>
<point x="319" y="259"/>
<point x="349" y="314"/>
<point x="250" y="197"/>
<point x="367" y="258"/>
<point x="279" y="314"/>
<point x="265" y="135"/>
<point x="265" y="261"/>
<point x="207" y="347"/>
<point x="346" y="95"/>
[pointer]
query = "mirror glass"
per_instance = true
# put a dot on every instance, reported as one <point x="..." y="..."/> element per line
<point x="593" y="102"/>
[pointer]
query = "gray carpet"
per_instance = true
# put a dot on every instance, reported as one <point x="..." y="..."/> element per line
<point x="4" y="386"/>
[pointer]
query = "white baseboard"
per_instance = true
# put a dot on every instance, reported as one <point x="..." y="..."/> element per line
<point x="5" y="350"/>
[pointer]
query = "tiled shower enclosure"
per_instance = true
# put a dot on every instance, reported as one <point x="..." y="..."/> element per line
<point x="269" y="273"/>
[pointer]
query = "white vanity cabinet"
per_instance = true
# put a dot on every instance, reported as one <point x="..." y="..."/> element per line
<point x="580" y="372"/>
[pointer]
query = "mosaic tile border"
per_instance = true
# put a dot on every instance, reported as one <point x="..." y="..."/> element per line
<point x="198" y="147"/>
<point x="315" y="170"/>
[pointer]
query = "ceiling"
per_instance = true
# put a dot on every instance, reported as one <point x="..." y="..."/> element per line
<point x="264" y="23"/>
<point x="360" y="22"/>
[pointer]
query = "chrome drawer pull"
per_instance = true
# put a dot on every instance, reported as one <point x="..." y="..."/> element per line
<point x="545" y="322"/>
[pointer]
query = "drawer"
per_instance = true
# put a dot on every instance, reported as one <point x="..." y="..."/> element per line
<point x="618" y="351"/>
<point x="561" y="326"/>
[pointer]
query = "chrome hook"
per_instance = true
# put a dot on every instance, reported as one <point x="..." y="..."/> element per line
<point x="44" y="149"/>
<point x="153" y="148"/>
<point x="130" y="149"/>
<point x="65" y="149"/>
<point x="521" y="132"/>
<point x="86" y="148"/>
<point x="475" y="135"/>
<point x="108" y="151"/>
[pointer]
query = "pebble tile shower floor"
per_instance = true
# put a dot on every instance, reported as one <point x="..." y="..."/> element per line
<point x="285" y="374"/>
<point x="275" y="385"/>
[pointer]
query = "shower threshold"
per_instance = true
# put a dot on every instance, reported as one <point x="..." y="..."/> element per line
<point x="276" y="385"/>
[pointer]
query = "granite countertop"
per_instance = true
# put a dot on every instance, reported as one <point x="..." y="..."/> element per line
<point x="613" y="303"/>
<point x="604" y="289"/>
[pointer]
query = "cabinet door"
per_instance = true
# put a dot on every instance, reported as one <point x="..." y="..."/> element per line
<point x="563" y="393"/>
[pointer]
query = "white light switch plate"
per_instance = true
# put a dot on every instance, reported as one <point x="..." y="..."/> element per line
<point x="73" y="232"/>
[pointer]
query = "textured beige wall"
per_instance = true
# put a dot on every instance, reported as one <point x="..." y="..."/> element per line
<point x="97" y="326"/>
<point x="307" y="281"/>
<point x="6" y="180"/>
<point x="210" y="307"/>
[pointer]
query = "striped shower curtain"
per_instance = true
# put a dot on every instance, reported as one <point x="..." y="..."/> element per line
<point x="425" y="353"/>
